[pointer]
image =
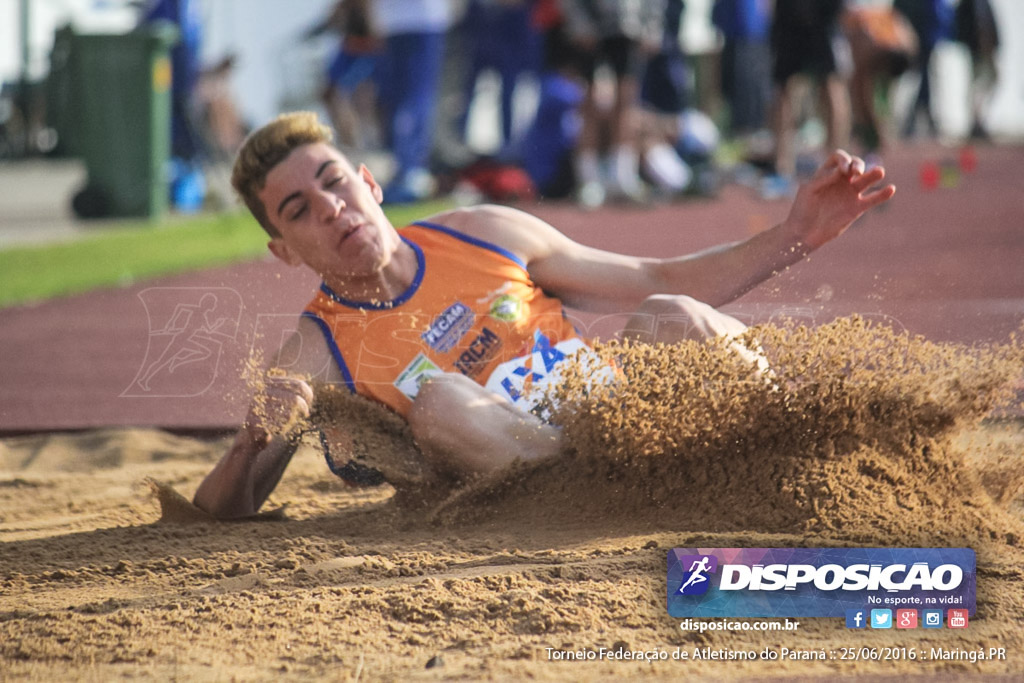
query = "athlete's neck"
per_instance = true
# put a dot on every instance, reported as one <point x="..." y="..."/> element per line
<point x="387" y="284"/>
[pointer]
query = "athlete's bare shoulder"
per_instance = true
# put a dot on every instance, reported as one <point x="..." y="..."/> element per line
<point x="305" y="354"/>
<point x="519" y="232"/>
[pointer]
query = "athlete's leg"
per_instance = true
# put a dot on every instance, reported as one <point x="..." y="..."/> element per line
<point x="670" y="318"/>
<point x="463" y="429"/>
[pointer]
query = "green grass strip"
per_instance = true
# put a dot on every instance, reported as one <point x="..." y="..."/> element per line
<point x="132" y="253"/>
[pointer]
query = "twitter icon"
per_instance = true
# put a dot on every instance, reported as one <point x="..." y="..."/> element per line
<point x="881" y="618"/>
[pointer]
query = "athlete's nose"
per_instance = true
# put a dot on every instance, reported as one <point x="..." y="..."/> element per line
<point x="331" y="205"/>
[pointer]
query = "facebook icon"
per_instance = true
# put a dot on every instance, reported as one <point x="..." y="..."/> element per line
<point x="856" y="618"/>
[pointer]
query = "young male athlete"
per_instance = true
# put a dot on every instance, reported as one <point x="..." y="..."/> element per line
<point x="452" y="320"/>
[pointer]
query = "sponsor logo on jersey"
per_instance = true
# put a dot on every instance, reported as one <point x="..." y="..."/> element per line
<point x="415" y="374"/>
<point x="506" y="308"/>
<point x="480" y="352"/>
<point x="522" y="380"/>
<point x="449" y="327"/>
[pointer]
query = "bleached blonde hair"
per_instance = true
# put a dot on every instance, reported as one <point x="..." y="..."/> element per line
<point x="264" y="149"/>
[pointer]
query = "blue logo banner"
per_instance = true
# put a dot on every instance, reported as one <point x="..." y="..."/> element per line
<point x="817" y="582"/>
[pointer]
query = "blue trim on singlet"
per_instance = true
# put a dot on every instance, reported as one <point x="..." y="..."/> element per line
<point x="421" y="266"/>
<point x="474" y="241"/>
<point x="333" y="346"/>
<point x="352" y="472"/>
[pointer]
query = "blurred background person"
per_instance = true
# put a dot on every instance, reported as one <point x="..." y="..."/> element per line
<point x="746" y="62"/>
<point x="808" y="46"/>
<point x="500" y="38"/>
<point x="932" y="21"/>
<point x="188" y="144"/>
<point x="349" y="95"/>
<point x="664" y="97"/>
<point x="883" y="46"/>
<point x="408" y="83"/>
<point x="547" y="149"/>
<point x="222" y="123"/>
<point x="976" y="28"/>
<point x="617" y="35"/>
<point x="186" y="140"/>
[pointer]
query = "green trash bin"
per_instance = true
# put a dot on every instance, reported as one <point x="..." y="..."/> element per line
<point x="60" y="115"/>
<point x="121" y="96"/>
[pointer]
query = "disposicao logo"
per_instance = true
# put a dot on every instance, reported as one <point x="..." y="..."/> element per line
<point x="695" y="580"/>
<point x="818" y="582"/>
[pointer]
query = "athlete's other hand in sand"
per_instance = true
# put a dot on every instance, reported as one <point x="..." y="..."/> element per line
<point x="262" y="448"/>
<point x="278" y="407"/>
<point x="456" y="323"/>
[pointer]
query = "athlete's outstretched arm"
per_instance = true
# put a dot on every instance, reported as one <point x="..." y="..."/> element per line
<point x="592" y="279"/>
<point x="837" y="195"/>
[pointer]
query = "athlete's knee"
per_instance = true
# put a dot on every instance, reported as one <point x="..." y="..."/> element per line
<point x="443" y="405"/>
<point x="438" y="396"/>
<point x="683" y="317"/>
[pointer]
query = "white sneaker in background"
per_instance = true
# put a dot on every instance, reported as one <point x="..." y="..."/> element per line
<point x="666" y="169"/>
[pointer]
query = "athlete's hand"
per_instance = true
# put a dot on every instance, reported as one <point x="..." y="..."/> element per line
<point x="840" y="191"/>
<point x="279" y="405"/>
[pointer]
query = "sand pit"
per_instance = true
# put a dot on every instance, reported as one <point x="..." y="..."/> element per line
<point x="860" y="437"/>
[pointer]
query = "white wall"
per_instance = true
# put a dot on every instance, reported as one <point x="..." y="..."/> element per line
<point x="275" y="70"/>
<point x="44" y="17"/>
<point x="263" y="33"/>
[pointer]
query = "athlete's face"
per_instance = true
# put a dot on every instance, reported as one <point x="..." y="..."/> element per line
<point x="328" y="214"/>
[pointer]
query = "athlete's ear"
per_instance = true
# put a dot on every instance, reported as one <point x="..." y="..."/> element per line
<point x="282" y="251"/>
<point x="368" y="178"/>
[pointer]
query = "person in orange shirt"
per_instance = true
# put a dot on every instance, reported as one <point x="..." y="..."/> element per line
<point x="452" y="322"/>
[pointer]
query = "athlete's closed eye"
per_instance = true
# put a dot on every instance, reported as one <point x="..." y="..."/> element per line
<point x="301" y="209"/>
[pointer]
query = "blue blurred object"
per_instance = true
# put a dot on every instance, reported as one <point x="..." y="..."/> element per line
<point x="665" y="84"/>
<point x="502" y="38"/>
<point x="777" y="187"/>
<point x="186" y="140"/>
<point x="698" y="136"/>
<point x="188" y="186"/>
<point x="546" y="148"/>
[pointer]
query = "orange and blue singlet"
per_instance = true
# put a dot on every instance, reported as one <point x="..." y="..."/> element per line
<point x="471" y="308"/>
